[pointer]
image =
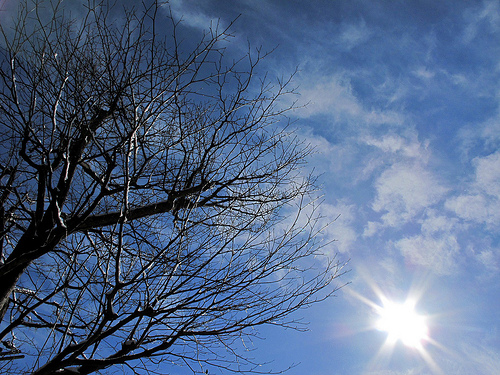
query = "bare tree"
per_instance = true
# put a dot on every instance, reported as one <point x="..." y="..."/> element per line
<point x="152" y="204"/>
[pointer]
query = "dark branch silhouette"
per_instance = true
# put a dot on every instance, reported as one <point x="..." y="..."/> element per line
<point x="153" y="205"/>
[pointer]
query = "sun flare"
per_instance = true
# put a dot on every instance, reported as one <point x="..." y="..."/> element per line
<point x="402" y="323"/>
<point x="407" y="330"/>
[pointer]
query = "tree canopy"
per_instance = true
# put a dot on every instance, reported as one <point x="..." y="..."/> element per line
<point x="154" y="206"/>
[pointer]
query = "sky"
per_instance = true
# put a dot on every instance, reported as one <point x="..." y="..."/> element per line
<point x="401" y="101"/>
<point x="403" y="108"/>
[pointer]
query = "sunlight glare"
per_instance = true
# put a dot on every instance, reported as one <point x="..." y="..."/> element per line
<point x="402" y="323"/>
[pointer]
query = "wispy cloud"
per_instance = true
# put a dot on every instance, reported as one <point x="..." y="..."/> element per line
<point x="328" y="95"/>
<point x="404" y="114"/>
<point x="436" y="247"/>
<point x="475" y="358"/>
<point x="481" y="202"/>
<point x="341" y="228"/>
<point x="489" y="258"/>
<point x="333" y="95"/>
<point x="190" y="15"/>
<point x="487" y="15"/>
<point x="396" y="144"/>
<point x="436" y="253"/>
<point x="402" y="192"/>
<point x="354" y="34"/>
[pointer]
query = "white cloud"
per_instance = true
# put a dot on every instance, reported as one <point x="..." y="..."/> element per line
<point x="328" y="96"/>
<point x="341" y="229"/>
<point x="475" y="207"/>
<point x="335" y="224"/>
<point x="436" y="247"/>
<point x="488" y="174"/>
<point x="388" y="143"/>
<point x="190" y="16"/>
<point x="393" y="143"/>
<point x="334" y="96"/>
<point x="485" y="134"/>
<point x="403" y="191"/>
<point x="489" y="259"/>
<point x="319" y="143"/>
<point x="424" y="73"/>
<point x="482" y="203"/>
<point x="487" y="255"/>
<point x="327" y="159"/>
<point x="407" y="187"/>
<point x="489" y="131"/>
<point x="371" y="228"/>
<point x="436" y="253"/>
<point x="488" y="14"/>
<point x="353" y="35"/>
<point x="435" y="222"/>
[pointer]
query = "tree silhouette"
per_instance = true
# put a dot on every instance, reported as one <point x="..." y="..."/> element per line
<point x="153" y="206"/>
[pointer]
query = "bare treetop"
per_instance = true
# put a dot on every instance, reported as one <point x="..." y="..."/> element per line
<point x="153" y="206"/>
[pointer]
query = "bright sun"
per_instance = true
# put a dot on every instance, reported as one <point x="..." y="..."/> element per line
<point x="402" y="323"/>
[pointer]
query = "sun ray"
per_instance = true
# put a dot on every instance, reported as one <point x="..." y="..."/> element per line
<point x="402" y="322"/>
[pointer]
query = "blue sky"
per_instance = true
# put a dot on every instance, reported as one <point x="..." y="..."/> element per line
<point x="403" y="109"/>
<point x="401" y="100"/>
